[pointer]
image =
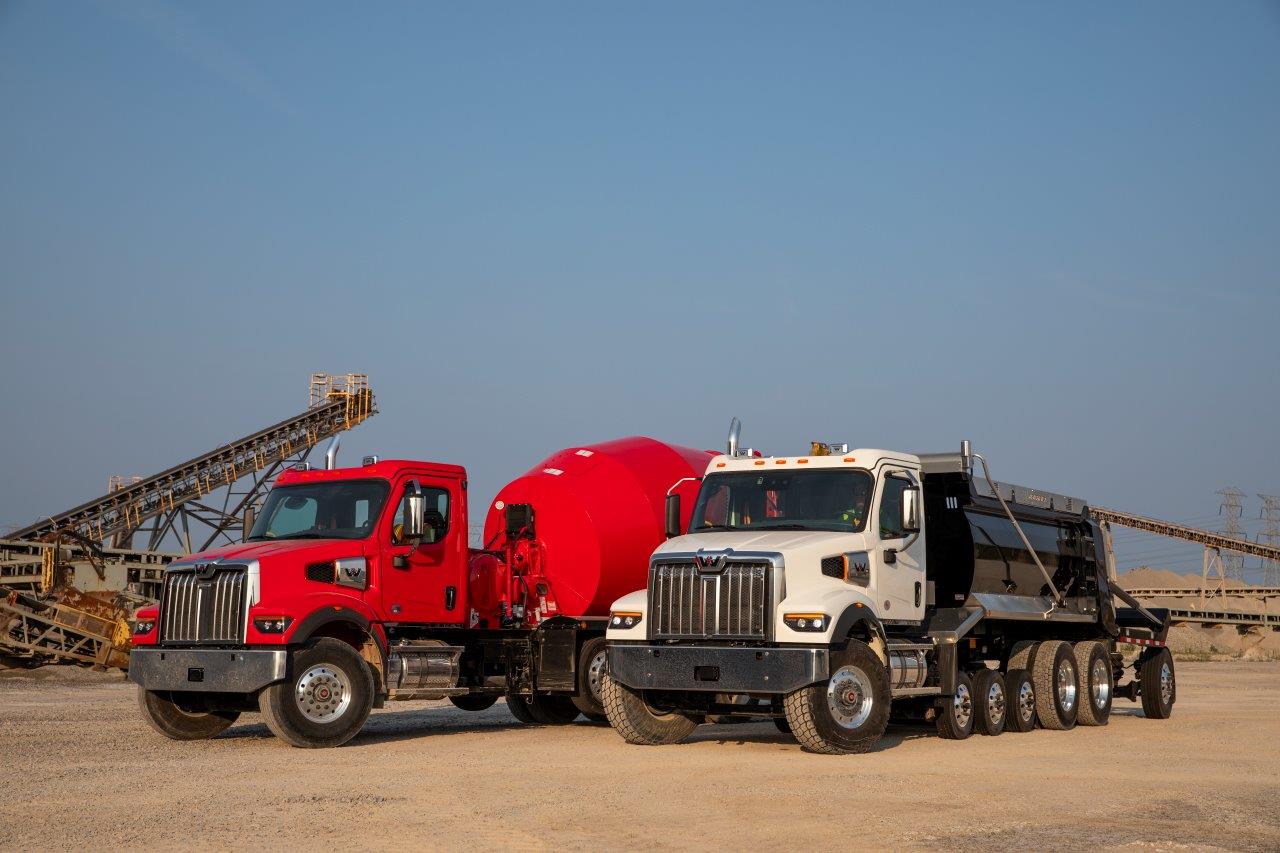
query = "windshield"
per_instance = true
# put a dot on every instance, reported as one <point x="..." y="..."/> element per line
<point x="796" y="500"/>
<point x="345" y="509"/>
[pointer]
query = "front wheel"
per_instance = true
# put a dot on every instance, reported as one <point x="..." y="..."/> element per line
<point x="168" y="716"/>
<point x="849" y="711"/>
<point x="325" y="701"/>
<point x="639" y="722"/>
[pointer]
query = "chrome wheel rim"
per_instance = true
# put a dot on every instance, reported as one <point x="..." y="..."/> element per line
<point x="1101" y="679"/>
<point x="849" y="697"/>
<point x="1026" y="701"/>
<point x="1067" y="686"/>
<point x="962" y="705"/>
<point x="995" y="703"/>
<point x="1166" y="683"/>
<point x="323" y="693"/>
<point x="595" y="673"/>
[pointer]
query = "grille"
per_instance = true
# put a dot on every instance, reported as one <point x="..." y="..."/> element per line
<point x="731" y="603"/>
<point x="833" y="567"/>
<point x="198" y="609"/>
<point x="322" y="572"/>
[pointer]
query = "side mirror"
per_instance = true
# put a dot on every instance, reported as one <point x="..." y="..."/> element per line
<point x="911" y="510"/>
<point x="249" y="518"/>
<point x="415" y="510"/>
<point x="673" y="516"/>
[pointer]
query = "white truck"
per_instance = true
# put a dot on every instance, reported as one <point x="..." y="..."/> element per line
<point x="831" y="589"/>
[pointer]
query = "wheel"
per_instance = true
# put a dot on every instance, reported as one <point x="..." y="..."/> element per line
<point x="1021" y="715"/>
<point x="639" y="722"/>
<point x="326" y="699"/>
<point x="1158" y="686"/>
<point x="474" y="701"/>
<point x="1093" y="664"/>
<point x="552" y="710"/>
<point x="849" y="711"/>
<point x="990" y="702"/>
<point x="956" y="714"/>
<point x="1053" y="673"/>
<point x="593" y="660"/>
<point x="170" y="719"/>
<point x="782" y="725"/>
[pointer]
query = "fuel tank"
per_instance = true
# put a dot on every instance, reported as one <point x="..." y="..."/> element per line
<point x="598" y="513"/>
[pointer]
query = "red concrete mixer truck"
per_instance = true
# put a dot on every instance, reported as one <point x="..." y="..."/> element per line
<point x="357" y="585"/>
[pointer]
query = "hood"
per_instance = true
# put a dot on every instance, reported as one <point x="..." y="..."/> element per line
<point x="798" y="548"/>
<point x="303" y="549"/>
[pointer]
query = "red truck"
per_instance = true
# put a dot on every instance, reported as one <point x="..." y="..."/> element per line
<point x="357" y="585"/>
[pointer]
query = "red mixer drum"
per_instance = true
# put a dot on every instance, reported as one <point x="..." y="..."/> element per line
<point x="599" y="513"/>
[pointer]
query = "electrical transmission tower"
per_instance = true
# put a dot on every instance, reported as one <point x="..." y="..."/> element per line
<point x="1270" y="535"/>
<point x="1231" y="507"/>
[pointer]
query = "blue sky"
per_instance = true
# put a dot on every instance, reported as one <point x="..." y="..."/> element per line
<point x="1053" y="230"/>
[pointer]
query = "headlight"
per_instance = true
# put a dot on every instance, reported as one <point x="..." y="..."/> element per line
<point x="272" y="624"/>
<point x="144" y="626"/>
<point x="624" y="619"/>
<point x="806" y="621"/>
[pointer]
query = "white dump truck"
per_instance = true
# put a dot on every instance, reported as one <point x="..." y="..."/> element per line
<point x="833" y="589"/>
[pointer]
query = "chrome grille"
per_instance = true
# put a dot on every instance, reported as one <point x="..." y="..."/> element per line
<point x="730" y="603"/>
<point x="208" y="609"/>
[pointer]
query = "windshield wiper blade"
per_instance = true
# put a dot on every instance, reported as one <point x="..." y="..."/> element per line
<point x="716" y="527"/>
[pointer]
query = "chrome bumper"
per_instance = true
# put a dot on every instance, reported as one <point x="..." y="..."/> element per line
<point x="207" y="670"/>
<point x="720" y="669"/>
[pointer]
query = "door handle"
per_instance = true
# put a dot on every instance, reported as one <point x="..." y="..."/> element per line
<point x="890" y="556"/>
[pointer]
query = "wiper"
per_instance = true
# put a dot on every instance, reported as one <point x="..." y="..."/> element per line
<point x="303" y="535"/>
<point x="715" y="527"/>
<point x="785" y="526"/>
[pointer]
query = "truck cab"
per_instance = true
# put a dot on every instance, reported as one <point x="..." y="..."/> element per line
<point x="820" y="588"/>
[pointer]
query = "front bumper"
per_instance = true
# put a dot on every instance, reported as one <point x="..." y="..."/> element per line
<point x="719" y="669"/>
<point x="207" y="670"/>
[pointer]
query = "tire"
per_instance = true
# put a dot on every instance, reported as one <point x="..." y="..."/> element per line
<point x="957" y="713"/>
<point x="598" y="718"/>
<point x="1020" y="656"/>
<point x="552" y="710"/>
<point x="991" y="702"/>
<point x="593" y="661"/>
<point x="169" y="719"/>
<point x="640" y="723"/>
<point x="1093" y="667"/>
<point x="782" y="725"/>
<point x="1158" y="685"/>
<point x="519" y="708"/>
<point x="1021" y="701"/>
<point x="849" y="711"/>
<point x="325" y="700"/>
<point x="474" y="701"/>
<point x="1057" y="687"/>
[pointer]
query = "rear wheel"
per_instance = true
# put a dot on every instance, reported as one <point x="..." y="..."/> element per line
<point x="172" y="720"/>
<point x="1057" y="686"/>
<point x="552" y="710"/>
<point x="325" y="702"/>
<point x="991" y="706"/>
<point x="1093" y="664"/>
<point x="848" y="712"/>
<point x="519" y="708"/>
<point x="956" y="714"/>
<point x="474" y="701"/>
<point x="1158" y="686"/>
<point x="1021" y="715"/>
<point x="639" y="722"/>
<point x="593" y="660"/>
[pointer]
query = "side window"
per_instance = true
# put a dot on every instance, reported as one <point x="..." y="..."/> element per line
<point x="891" y="508"/>
<point x="436" y="518"/>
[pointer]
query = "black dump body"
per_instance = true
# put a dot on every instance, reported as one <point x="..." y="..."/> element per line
<point x="973" y="549"/>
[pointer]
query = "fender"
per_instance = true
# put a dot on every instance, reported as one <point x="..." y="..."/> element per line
<point x="859" y="614"/>
<point x="331" y="614"/>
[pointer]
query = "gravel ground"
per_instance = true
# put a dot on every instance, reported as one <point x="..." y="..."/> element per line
<point x="82" y="770"/>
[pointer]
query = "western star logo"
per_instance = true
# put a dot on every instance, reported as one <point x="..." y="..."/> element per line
<point x="709" y="562"/>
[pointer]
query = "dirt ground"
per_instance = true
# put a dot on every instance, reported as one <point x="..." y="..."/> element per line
<point x="82" y="770"/>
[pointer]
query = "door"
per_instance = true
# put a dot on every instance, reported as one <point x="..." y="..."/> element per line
<point x="901" y="577"/>
<point x="423" y="582"/>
